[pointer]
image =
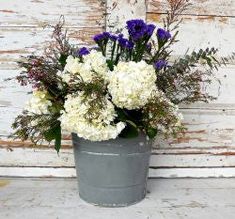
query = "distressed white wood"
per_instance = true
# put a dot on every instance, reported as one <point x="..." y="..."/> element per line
<point x="201" y="32"/>
<point x="17" y="42"/>
<point x="118" y="12"/>
<point x="210" y="140"/>
<point x="37" y="172"/>
<point x="195" y="32"/>
<point x="161" y="158"/>
<point x="192" y="172"/>
<point x="167" y="198"/>
<point x="38" y="12"/>
<point x="21" y="24"/>
<point x="153" y="172"/>
<point x="198" y="7"/>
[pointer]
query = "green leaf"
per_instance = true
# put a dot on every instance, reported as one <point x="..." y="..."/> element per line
<point x="54" y="134"/>
<point x="62" y="59"/>
<point x="130" y="131"/>
<point x="151" y="132"/>
<point x="110" y="64"/>
<point x="121" y="114"/>
<point x="58" y="140"/>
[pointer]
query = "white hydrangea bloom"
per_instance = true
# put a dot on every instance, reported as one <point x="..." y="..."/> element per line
<point x="97" y="62"/>
<point x="72" y="65"/>
<point x="39" y="103"/>
<point x="74" y="119"/>
<point x="131" y="84"/>
<point x="93" y="64"/>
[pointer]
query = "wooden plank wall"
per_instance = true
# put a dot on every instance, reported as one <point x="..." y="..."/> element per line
<point x="209" y="142"/>
<point x="208" y="147"/>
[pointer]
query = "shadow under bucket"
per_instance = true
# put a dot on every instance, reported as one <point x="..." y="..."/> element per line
<point x="112" y="173"/>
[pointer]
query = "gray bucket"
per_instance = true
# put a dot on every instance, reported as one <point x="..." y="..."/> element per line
<point x="112" y="173"/>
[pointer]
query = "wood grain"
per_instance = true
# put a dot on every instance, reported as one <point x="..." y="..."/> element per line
<point x="197" y="32"/>
<point x="153" y="173"/>
<point x="198" y="7"/>
<point x="202" y="151"/>
<point x="161" y="158"/>
<point x="22" y="41"/>
<point x="80" y="13"/>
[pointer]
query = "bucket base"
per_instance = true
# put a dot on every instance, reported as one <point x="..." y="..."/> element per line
<point x="119" y="197"/>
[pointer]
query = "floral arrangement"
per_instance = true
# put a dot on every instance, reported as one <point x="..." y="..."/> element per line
<point x="126" y="84"/>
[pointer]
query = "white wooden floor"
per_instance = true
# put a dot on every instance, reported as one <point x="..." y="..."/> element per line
<point x="168" y="198"/>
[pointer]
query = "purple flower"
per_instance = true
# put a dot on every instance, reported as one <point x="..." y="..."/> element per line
<point x="136" y="29"/>
<point x="163" y="34"/>
<point x="160" y="64"/>
<point x="125" y="43"/>
<point x="106" y="35"/>
<point x="113" y="37"/>
<point x="120" y="35"/>
<point x="98" y="37"/>
<point x="150" y="29"/>
<point x="83" y="51"/>
<point x="101" y="36"/>
<point x="130" y="45"/>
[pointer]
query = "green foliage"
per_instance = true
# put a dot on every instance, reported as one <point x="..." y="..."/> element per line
<point x="62" y="59"/>
<point x="54" y="133"/>
<point x="183" y="80"/>
<point x="151" y="132"/>
<point x="130" y="131"/>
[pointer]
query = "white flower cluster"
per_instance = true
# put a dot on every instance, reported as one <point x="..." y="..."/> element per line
<point x="39" y="103"/>
<point x="74" y="119"/>
<point x="131" y="84"/>
<point x="93" y="64"/>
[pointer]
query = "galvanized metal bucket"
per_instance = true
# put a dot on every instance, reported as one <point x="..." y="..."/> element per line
<point x="112" y="173"/>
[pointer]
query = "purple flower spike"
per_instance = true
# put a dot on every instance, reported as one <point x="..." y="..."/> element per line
<point x="130" y="45"/>
<point x="150" y="29"/>
<point x="160" y="64"/>
<point x="120" y="35"/>
<point x="101" y="36"/>
<point x="83" y="51"/>
<point x="113" y="37"/>
<point x="136" y="28"/>
<point x="125" y="43"/>
<point x="98" y="38"/>
<point x="106" y="35"/>
<point x="163" y="34"/>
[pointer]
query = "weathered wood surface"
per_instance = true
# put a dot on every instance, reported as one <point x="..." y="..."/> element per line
<point x="198" y="8"/>
<point x="161" y="158"/>
<point x="21" y="24"/>
<point x="202" y="32"/>
<point x="166" y="199"/>
<point x="118" y="12"/>
<point x="78" y="13"/>
<point x="210" y="140"/>
<point x="214" y="172"/>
